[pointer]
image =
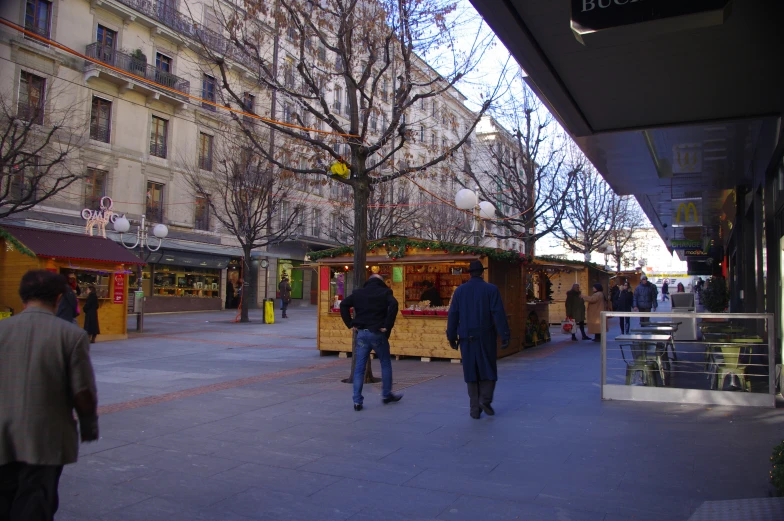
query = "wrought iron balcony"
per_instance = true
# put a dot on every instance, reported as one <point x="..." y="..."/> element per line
<point x="100" y="133"/>
<point x="169" y="16"/>
<point x="34" y="113"/>
<point x="158" y="149"/>
<point x="128" y="63"/>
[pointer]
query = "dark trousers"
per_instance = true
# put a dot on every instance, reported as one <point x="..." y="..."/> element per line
<point x="284" y="306"/>
<point x="582" y="329"/>
<point x="644" y="320"/>
<point x="29" y="492"/>
<point x="625" y="322"/>
<point x="480" y="392"/>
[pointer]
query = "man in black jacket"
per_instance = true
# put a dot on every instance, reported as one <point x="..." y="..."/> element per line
<point x="375" y="310"/>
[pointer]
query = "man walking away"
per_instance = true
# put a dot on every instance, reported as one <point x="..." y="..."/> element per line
<point x="45" y="374"/>
<point x="623" y="302"/>
<point x="285" y="294"/>
<point x="476" y="316"/>
<point x="575" y="309"/>
<point x="375" y="310"/>
<point x="665" y="290"/>
<point x="68" y="306"/>
<point x="645" y="298"/>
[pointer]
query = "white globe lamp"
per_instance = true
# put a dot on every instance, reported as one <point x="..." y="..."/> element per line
<point x="486" y="210"/>
<point x="160" y="231"/>
<point x="122" y="224"/>
<point x="465" y="199"/>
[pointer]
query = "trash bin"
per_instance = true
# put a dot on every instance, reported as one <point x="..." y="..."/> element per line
<point x="269" y="311"/>
<point x="684" y="303"/>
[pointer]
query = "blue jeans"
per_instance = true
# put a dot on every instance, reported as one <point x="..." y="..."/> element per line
<point x="367" y="341"/>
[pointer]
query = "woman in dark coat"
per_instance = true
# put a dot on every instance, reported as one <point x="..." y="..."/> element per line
<point x="90" y="310"/>
<point x="575" y="308"/>
<point x="623" y="302"/>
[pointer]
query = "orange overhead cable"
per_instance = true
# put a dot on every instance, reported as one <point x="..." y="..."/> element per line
<point x="67" y="49"/>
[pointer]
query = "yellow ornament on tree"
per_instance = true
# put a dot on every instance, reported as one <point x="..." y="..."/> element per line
<point x="340" y="169"/>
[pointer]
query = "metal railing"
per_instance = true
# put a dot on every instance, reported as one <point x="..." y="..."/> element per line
<point x="34" y="113"/>
<point x="154" y="212"/>
<point x="137" y="67"/>
<point x="682" y="357"/>
<point x="169" y="16"/>
<point x="100" y="133"/>
<point x="158" y="149"/>
<point x="205" y="162"/>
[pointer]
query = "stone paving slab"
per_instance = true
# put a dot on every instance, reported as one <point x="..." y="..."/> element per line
<point x="206" y="420"/>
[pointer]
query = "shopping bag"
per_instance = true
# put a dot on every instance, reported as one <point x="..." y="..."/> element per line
<point x="567" y="326"/>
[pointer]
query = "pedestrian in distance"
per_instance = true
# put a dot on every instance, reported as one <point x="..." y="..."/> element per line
<point x="575" y="309"/>
<point x="375" y="310"/>
<point x="284" y="288"/>
<point x="91" y="314"/>
<point x="596" y="304"/>
<point x="431" y="294"/>
<point x="623" y="302"/>
<point x="45" y="375"/>
<point x="680" y="288"/>
<point x="68" y="306"/>
<point x="665" y="290"/>
<point x="645" y="298"/>
<point x="614" y="290"/>
<point x="476" y="318"/>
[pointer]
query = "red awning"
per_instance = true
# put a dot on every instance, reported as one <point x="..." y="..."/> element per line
<point x="61" y="245"/>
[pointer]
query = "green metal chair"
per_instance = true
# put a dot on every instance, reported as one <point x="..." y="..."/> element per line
<point x="644" y="361"/>
<point x="732" y="361"/>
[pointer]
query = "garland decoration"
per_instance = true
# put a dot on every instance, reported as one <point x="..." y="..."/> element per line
<point x="21" y="248"/>
<point x="397" y="247"/>
<point x="553" y="258"/>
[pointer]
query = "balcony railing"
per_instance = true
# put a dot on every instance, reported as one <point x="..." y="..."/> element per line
<point x="205" y="162"/>
<point x="158" y="149"/>
<point x="169" y="16"/>
<point x="130" y="64"/>
<point x="154" y="212"/>
<point x="34" y="113"/>
<point x="100" y="133"/>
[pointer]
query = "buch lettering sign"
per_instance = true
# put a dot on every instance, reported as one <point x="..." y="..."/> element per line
<point x="595" y="15"/>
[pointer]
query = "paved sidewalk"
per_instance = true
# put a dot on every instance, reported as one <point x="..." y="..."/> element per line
<point x="206" y="420"/>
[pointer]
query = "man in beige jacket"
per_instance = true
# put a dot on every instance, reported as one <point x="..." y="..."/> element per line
<point x="45" y="375"/>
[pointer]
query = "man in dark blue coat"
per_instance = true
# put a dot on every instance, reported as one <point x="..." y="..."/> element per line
<point x="476" y="315"/>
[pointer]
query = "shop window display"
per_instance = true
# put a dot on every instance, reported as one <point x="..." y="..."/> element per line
<point x="180" y="281"/>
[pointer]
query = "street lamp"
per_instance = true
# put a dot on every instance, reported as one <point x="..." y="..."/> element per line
<point x="466" y="199"/>
<point x="160" y="231"/>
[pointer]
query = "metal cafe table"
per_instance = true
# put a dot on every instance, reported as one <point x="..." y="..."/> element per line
<point x="661" y="329"/>
<point x="648" y="356"/>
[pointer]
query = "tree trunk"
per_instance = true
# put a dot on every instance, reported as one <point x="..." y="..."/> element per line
<point x="247" y="291"/>
<point x="361" y="197"/>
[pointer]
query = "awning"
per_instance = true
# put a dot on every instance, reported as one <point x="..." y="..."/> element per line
<point x="61" y="245"/>
<point x="196" y="260"/>
<point x="408" y="259"/>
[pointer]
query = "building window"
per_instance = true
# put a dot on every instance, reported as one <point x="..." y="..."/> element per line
<point x="316" y="223"/>
<point x="348" y="104"/>
<point x="433" y="139"/>
<point x="421" y="133"/>
<point x="374" y="122"/>
<point x="154" y="206"/>
<point x="208" y="92"/>
<point x="338" y="96"/>
<point x="24" y="179"/>
<point x="287" y="112"/>
<point x="248" y="105"/>
<point x="38" y="14"/>
<point x="205" y="151"/>
<point x="106" y="39"/>
<point x="158" y="136"/>
<point x="100" y="120"/>
<point x="202" y="218"/>
<point x="31" y="98"/>
<point x="94" y="188"/>
<point x="284" y="214"/>
<point x="322" y="52"/>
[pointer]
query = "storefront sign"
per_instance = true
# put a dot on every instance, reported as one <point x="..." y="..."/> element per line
<point x="595" y="15"/>
<point x="687" y="158"/>
<point x="685" y="244"/>
<point x="397" y="274"/>
<point x="695" y="253"/>
<point x="119" y="288"/>
<point x="686" y="212"/>
<point x="99" y="218"/>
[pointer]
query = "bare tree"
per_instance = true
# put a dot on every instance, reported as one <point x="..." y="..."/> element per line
<point x="248" y="201"/>
<point x="441" y="221"/>
<point x="629" y="219"/>
<point x="39" y="139"/>
<point x="391" y="211"/>
<point x="589" y="218"/>
<point x="527" y="174"/>
<point x="352" y="69"/>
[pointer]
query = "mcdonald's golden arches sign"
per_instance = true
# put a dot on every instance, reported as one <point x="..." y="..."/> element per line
<point x="686" y="212"/>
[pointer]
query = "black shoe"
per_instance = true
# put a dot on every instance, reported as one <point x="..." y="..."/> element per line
<point x="392" y="398"/>
<point x="357" y="407"/>
<point x="574" y="338"/>
<point x="587" y="338"/>
<point x="596" y="340"/>
<point x="487" y="409"/>
<point x="475" y="414"/>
